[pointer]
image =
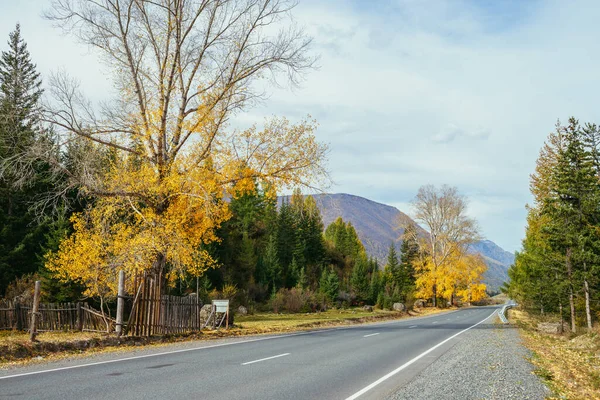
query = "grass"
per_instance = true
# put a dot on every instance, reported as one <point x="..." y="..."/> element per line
<point x="282" y="322"/>
<point x="570" y="365"/>
<point x="15" y="348"/>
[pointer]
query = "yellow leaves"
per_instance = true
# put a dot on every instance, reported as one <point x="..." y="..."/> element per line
<point x="150" y="216"/>
<point x="461" y="275"/>
<point x="282" y="154"/>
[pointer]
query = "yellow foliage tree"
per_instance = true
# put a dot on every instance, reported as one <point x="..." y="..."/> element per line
<point x="459" y="276"/>
<point x="160" y="162"/>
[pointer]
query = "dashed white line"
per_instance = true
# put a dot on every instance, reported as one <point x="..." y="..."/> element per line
<point x="414" y="326"/>
<point x="265" y="359"/>
<point x="372" y="334"/>
<point x="434" y="322"/>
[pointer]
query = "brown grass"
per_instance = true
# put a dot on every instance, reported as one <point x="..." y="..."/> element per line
<point x="569" y="365"/>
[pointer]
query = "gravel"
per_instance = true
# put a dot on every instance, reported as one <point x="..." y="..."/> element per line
<point x="487" y="362"/>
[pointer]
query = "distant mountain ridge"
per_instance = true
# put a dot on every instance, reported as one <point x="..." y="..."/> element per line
<point x="378" y="225"/>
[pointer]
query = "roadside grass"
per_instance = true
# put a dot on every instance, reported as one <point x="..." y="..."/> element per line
<point x="570" y="365"/>
<point x="15" y="348"/>
<point x="269" y="322"/>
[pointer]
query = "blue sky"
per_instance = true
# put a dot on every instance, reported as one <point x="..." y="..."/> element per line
<point x="416" y="92"/>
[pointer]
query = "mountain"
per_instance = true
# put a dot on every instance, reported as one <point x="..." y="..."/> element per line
<point x="378" y="225"/>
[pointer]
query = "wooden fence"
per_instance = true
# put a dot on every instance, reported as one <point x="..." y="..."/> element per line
<point x="54" y="317"/>
<point x="167" y="315"/>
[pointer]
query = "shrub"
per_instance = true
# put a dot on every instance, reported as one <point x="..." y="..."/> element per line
<point x="380" y="298"/>
<point x="278" y="301"/>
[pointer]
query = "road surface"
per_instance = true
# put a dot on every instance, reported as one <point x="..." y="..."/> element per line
<point x="362" y="361"/>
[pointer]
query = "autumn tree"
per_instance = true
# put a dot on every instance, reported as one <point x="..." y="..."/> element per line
<point x="182" y="70"/>
<point x="443" y="212"/>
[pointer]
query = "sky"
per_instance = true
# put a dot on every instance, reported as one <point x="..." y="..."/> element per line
<point x="411" y="92"/>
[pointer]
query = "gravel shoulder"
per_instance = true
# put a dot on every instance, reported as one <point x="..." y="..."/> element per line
<point x="487" y="362"/>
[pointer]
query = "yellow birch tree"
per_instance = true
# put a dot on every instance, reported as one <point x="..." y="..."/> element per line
<point x="161" y="158"/>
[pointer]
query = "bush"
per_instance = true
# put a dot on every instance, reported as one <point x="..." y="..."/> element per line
<point x="317" y="301"/>
<point x="380" y="299"/>
<point x="387" y="303"/>
<point x="277" y="301"/>
<point x="295" y="299"/>
<point x="298" y="300"/>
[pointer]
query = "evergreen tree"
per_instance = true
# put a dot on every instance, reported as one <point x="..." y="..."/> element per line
<point x="409" y="253"/>
<point x="21" y="235"/>
<point x="287" y="241"/>
<point x="392" y="261"/>
<point x="376" y="287"/>
<point x="572" y="209"/>
<point x="329" y="284"/>
<point x="360" y="279"/>
<point x="272" y="265"/>
<point x="302" y="279"/>
<point x="20" y="91"/>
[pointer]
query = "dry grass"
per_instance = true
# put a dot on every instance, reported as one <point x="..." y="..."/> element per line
<point x="15" y="348"/>
<point x="270" y="322"/>
<point x="569" y="365"/>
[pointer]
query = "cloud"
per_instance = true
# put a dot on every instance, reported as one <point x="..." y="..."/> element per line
<point x="451" y="132"/>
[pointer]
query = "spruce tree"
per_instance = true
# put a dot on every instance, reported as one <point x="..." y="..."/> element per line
<point x="409" y="252"/>
<point x="20" y="91"/>
<point x="21" y="236"/>
<point x="360" y="279"/>
<point x="272" y="265"/>
<point x="572" y="209"/>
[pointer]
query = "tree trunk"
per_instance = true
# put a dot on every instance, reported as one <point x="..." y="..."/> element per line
<point x="434" y="295"/>
<point x="569" y="265"/>
<point x="588" y="313"/>
<point x="560" y="308"/>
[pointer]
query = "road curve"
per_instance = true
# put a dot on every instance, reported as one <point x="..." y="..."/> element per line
<point x="364" y="361"/>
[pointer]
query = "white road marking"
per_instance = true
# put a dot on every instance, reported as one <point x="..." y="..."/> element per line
<point x="265" y="359"/>
<point x="372" y="334"/>
<point x="414" y="326"/>
<point x="400" y="368"/>
<point x="434" y="322"/>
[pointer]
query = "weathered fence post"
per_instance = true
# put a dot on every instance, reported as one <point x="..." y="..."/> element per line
<point x="79" y="322"/>
<point x="18" y="320"/>
<point x="34" y="311"/>
<point x="120" y="303"/>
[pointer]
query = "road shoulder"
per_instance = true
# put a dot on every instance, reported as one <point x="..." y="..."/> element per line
<point x="488" y="362"/>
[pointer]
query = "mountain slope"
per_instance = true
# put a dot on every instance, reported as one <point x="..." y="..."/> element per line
<point x="378" y="225"/>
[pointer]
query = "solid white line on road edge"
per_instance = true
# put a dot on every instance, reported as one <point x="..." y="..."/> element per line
<point x="265" y="359"/>
<point x="372" y="334"/>
<point x="400" y="368"/>
<point x="414" y="326"/>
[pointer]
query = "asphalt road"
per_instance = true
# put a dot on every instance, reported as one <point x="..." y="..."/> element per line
<point x="365" y="361"/>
